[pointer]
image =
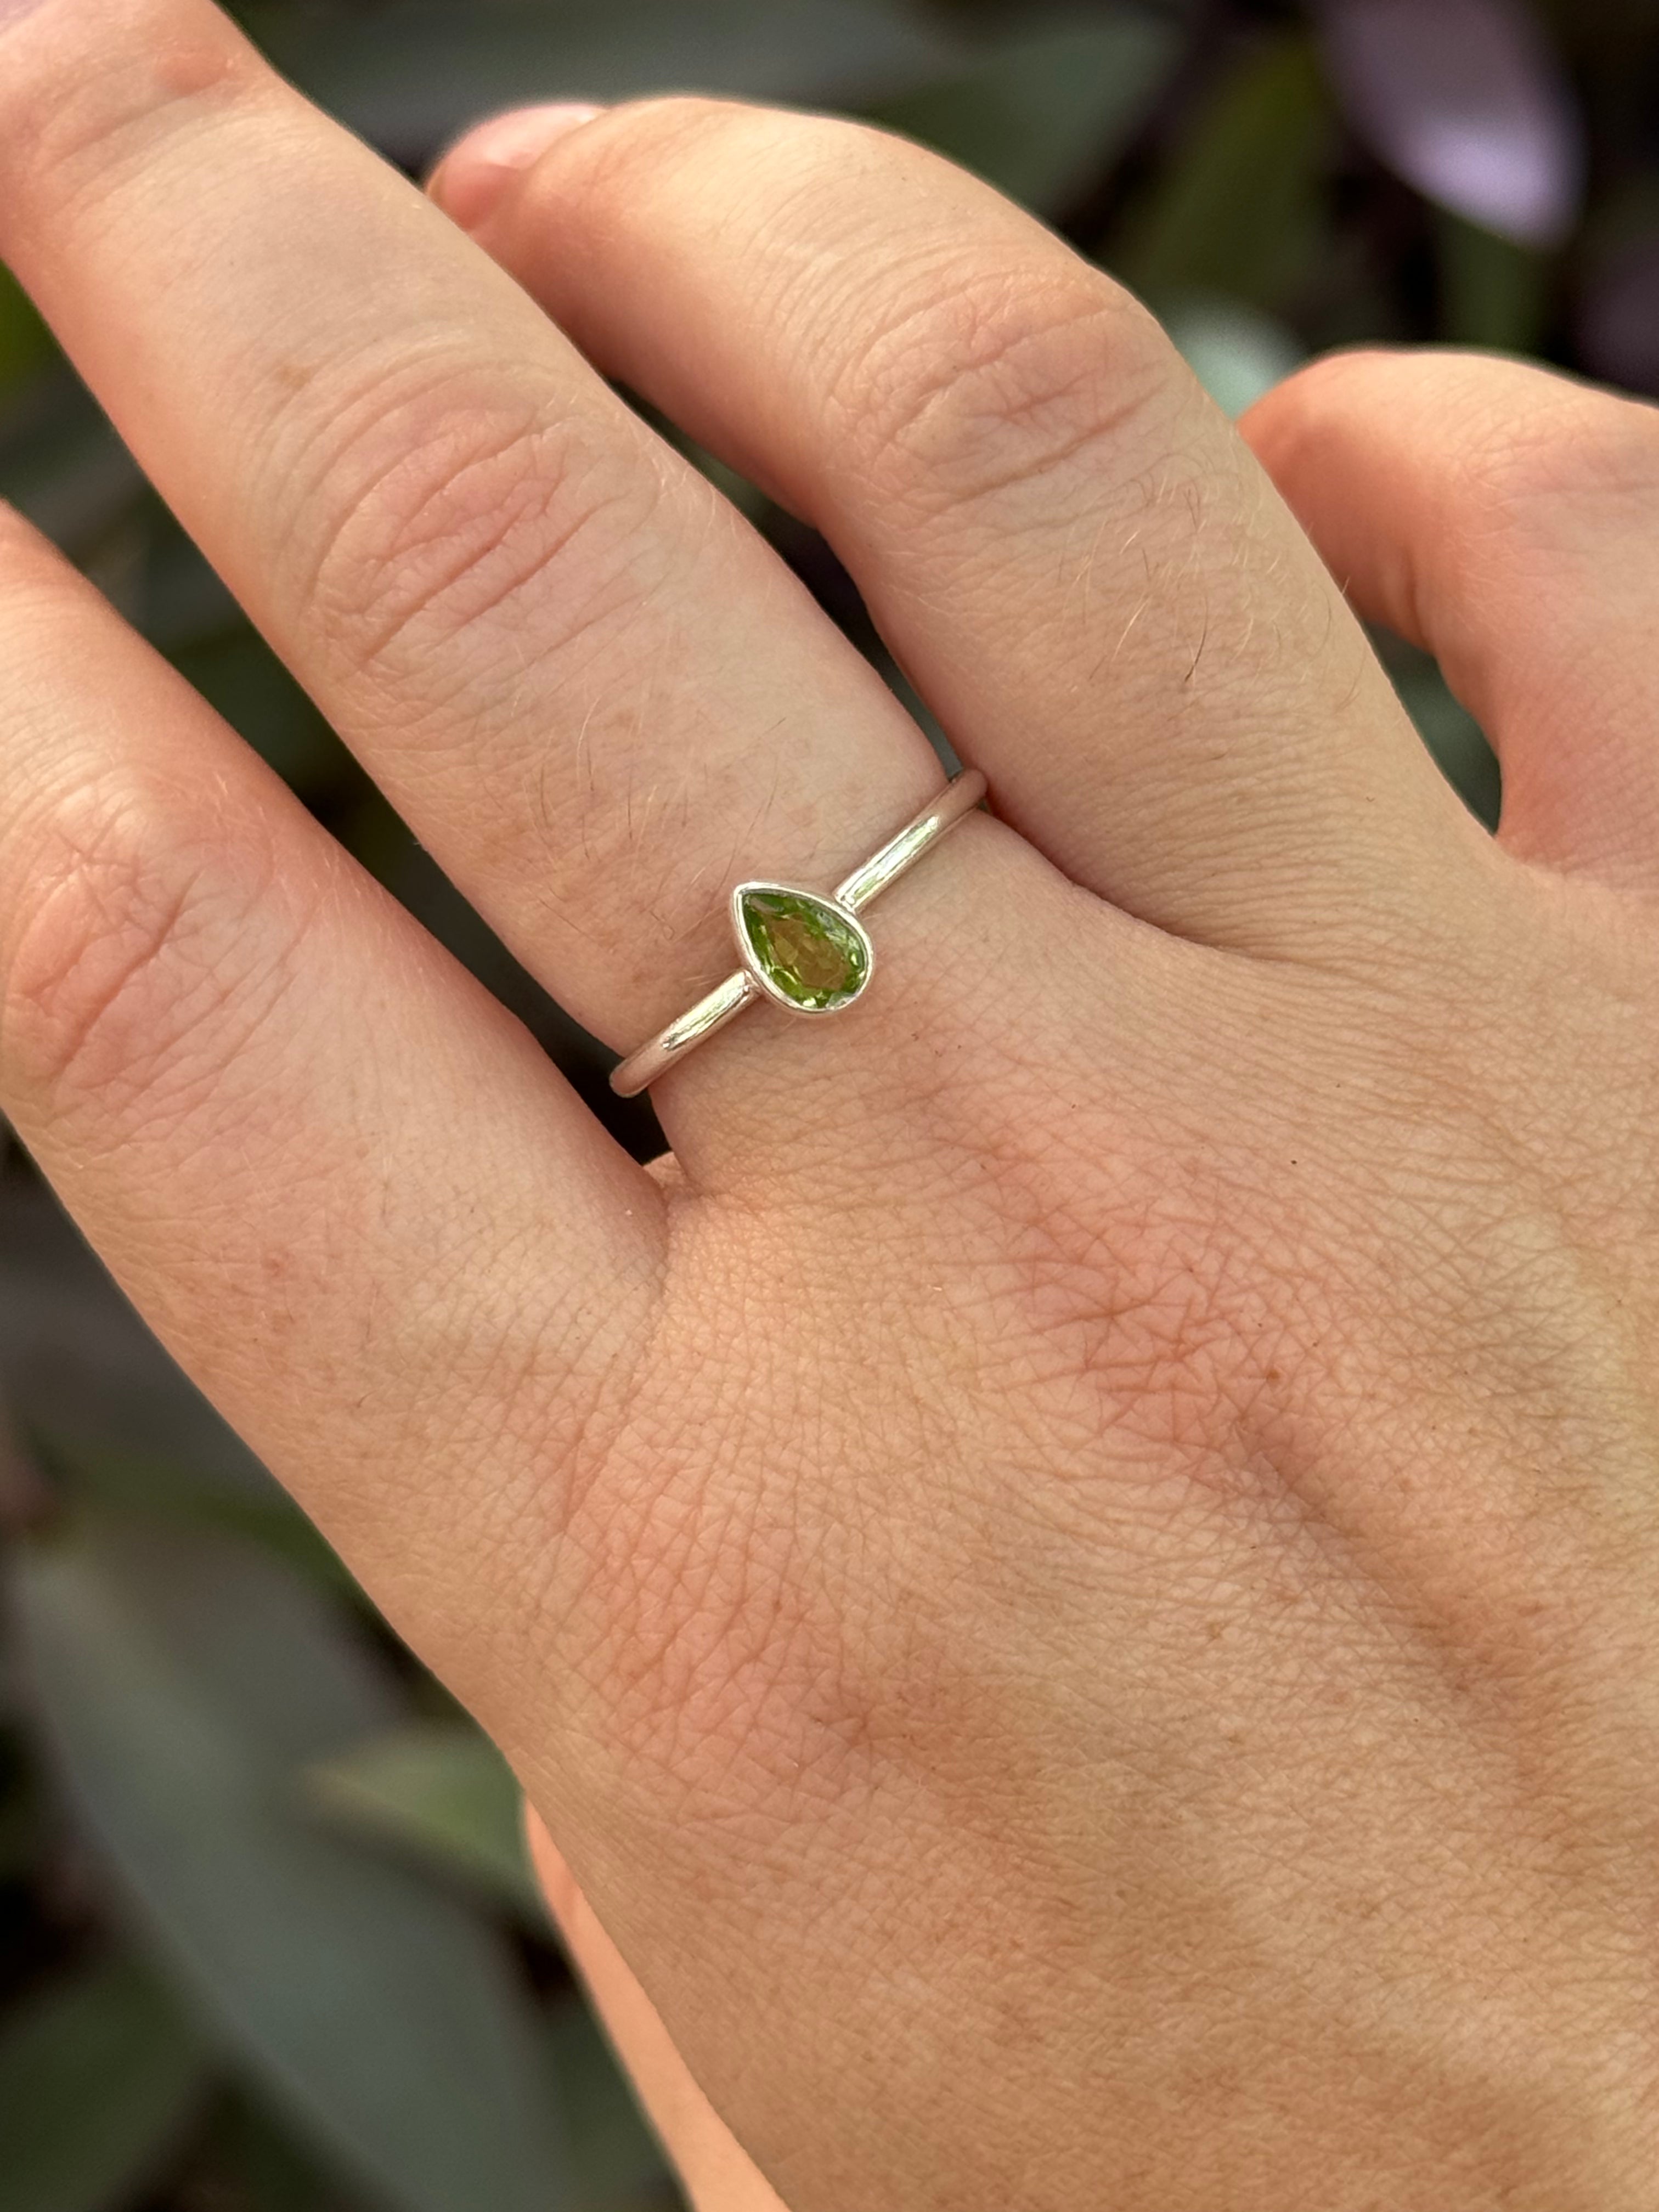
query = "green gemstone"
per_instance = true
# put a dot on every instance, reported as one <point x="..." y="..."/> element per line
<point x="805" y="947"/>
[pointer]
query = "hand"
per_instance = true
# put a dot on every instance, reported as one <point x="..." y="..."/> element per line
<point x="1076" y="1576"/>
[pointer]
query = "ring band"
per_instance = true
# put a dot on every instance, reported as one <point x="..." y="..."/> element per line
<point x="807" y="953"/>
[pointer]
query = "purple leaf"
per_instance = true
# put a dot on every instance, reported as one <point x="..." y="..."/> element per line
<point x="1464" y="101"/>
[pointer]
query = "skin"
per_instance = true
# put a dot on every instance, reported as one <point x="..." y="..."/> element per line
<point x="1075" y="1577"/>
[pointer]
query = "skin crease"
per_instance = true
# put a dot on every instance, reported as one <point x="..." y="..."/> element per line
<point x="1076" y="1575"/>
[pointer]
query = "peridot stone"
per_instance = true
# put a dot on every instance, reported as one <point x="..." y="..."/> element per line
<point x="806" y="948"/>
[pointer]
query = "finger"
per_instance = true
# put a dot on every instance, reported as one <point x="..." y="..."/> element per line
<point x="338" y="1179"/>
<point x="1503" y="517"/>
<point x="1074" y="557"/>
<point x="596" y="694"/>
<point x="718" y="2173"/>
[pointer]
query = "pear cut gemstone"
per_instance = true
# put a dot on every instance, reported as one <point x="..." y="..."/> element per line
<point x="809" y="953"/>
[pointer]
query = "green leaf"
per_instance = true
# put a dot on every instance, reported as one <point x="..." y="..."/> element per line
<point x="99" y="2074"/>
<point x="21" y="1821"/>
<point x="1493" y="292"/>
<point x="65" y="468"/>
<point x="26" y="343"/>
<point x="1236" y="351"/>
<point x="441" y="1790"/>
<point x="87" y="1471"/>
<point x="1237" y="209"/>
<point x="1045" y="113"/>
<point x="182" y="1678"/>
<point x="611" y="2144"/>
<point x="237" y="673"/>
<point x="77" y="1363"/>
<point x="1455" y="739"/>
<point x="248" y="2159"/>
<point x="408" y="75"/>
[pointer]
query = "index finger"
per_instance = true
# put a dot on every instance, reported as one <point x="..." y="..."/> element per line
<point x="339" y="1181"/>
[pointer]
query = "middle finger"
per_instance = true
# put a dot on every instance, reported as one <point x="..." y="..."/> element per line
<point x="593" y="691"/>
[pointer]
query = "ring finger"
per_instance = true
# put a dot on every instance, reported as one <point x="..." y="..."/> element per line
<point x="1076" y="560"/>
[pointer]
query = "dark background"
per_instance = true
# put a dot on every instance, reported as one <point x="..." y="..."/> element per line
<point x="267" y="1943"/>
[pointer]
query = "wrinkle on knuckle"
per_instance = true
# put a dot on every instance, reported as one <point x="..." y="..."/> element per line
<point x="131" y="974"/>
<point x="429" y="500"/>
<point x="992" y="379"/>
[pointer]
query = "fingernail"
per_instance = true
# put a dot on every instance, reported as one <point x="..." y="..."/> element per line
<point x="476" y="169"/>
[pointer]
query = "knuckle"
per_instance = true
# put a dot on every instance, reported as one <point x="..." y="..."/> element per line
<point x="119" y="973"/>
<point x="992" y="378"/>
<point x="432" y="503"/>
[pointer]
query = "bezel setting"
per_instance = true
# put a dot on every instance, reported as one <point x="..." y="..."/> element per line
<point x="752" y="981"/>
<point x="755" y="967"/>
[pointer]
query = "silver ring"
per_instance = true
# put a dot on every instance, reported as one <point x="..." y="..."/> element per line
<point x="809" y="954"/>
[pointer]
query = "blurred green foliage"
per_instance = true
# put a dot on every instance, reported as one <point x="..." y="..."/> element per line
<point x="268" y="1941"/>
